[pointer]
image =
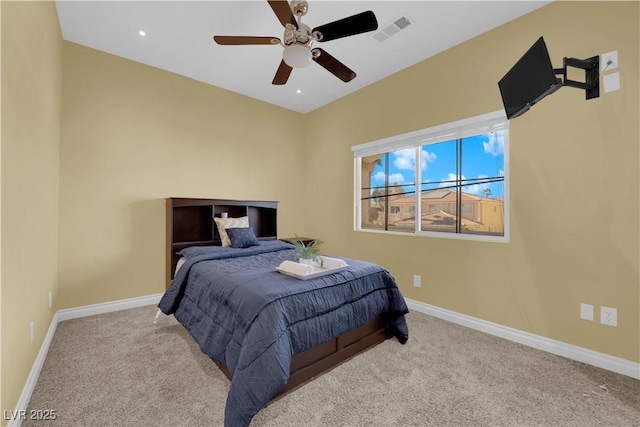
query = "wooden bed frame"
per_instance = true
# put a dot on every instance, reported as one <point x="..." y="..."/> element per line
<point x="190" y="223"/>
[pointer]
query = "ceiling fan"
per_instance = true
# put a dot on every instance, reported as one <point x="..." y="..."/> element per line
<point x="298" y="39"/>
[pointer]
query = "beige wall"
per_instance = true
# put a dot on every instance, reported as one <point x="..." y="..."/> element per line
<point x="1" y="346"/>
<point x="134" y="135"/>
<point x="581" y="157"/>
<point x="31" y="95"/>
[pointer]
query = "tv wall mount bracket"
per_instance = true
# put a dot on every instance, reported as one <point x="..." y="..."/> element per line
<point x="591" y="67"/>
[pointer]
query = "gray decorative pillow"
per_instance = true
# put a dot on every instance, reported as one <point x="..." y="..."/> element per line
<point x="242" y="237"/>
<point x="224" y="223"/>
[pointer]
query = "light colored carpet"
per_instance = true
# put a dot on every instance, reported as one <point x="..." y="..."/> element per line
<point x="120" y="369"/>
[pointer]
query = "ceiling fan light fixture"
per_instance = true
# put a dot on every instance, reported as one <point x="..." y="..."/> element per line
<point x="299" y="38"/>
<point x="297" y="56"/>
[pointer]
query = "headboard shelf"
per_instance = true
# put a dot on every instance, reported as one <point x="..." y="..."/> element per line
<point x="190" y="223"/>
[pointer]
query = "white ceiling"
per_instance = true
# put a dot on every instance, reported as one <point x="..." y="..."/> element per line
<point x="179" y="39"/>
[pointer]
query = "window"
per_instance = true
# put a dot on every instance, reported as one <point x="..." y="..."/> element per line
<point x="446" y="181"/>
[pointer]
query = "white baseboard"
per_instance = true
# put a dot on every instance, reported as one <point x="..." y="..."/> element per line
<point x="580" y="354"/>
<point x="107" y="307"/>
<point x="27" y="390"/>
<point x="67" y="314"/>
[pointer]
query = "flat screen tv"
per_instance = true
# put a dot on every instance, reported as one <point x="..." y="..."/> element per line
<point x="528" y="81"/>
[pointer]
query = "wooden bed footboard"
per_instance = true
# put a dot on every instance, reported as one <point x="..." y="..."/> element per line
<point x="321" y="359"/>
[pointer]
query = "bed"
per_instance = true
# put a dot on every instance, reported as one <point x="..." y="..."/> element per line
<point x="269" y="332"/>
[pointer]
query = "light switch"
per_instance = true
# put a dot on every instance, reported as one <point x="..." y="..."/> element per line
<point x="611" y="82"/>
<point x="586" y="311"/>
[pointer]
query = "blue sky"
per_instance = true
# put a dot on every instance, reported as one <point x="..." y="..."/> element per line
<point x="482" y="156"/>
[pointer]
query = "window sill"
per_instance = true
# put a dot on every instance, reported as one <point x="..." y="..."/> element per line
<point x="453" y="236"/>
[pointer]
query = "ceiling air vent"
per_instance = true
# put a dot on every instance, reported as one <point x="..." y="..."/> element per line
<point x="394" y="28"/>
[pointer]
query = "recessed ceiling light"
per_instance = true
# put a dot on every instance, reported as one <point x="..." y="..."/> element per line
<point x="298" y="91"/>
<point x="142" y="33"/>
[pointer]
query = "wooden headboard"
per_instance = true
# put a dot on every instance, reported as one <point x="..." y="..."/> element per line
<point x="190" y="223"/>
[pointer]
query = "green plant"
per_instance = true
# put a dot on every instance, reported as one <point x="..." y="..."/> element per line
<point x="309" y="251"/>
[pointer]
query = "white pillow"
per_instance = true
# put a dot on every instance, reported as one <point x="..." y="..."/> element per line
<point x="179" y="264"/>
<point x="224" y="223"/>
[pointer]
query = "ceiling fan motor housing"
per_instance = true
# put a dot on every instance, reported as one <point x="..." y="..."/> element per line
<point x="300" y="36"/>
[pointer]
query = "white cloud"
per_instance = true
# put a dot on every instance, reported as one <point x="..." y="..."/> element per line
<point x="495" y="145"/>
<point x="427" y="157"/>
<point x="451" y="180"/>
<point x="477" y="189"/>
<point x="394" y="178"/>
<point x="405" y="159"/>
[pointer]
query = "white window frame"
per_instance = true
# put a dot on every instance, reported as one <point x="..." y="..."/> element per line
<point x="485" y="123"/>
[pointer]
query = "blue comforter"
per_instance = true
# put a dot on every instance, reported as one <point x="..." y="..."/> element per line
<point x="241" y="311"/>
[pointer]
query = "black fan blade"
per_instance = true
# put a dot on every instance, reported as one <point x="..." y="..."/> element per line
<point x="240" y="40"/>
<point x="283" y="11"/>
<point x="282" y="75"/>
<point x="356" y="24"/>
<point x="334" y="66"/>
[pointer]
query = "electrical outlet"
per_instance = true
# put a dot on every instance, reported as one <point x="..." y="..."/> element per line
<point x="31" y="332"/>
<point x="611" y="82"/>
<point x="586" y="311"/>
<point x="609" y="61"/>
<point x="609" y="316"/>
<point x="416" y="281"/>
